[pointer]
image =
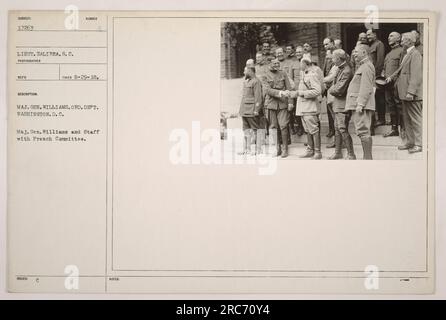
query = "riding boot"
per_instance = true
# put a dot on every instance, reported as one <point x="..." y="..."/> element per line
<point x="285" y="137"/>
<point x="300" y="129"/>
<point x="349" y="144"/>
<point x="367" y="147"/>
<point x="317" y="146"/>
<point x="338" y="146"/>
<point x="392" y="133"/>
<point x="310" y="147"/>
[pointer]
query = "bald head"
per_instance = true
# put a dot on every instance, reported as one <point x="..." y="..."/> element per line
<point x="394" y="39"/>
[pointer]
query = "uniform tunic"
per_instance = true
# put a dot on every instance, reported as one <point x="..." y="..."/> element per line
<point x="275" y="105"/>
<point x="308" y="106"/>
<point x="361" y="92"/>
<point x="251" y="103"/>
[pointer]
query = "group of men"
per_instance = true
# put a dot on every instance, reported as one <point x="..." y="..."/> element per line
<point x="282" y="95"/>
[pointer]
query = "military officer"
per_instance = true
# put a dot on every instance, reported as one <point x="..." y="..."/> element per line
<point x="307" y="48"/>
<point x="277" y="106"/>
<point x="289" y="52"/>
<point x="250" y="107"/>
<point x="338" y="91"/>
<point x="285" y="63"/>
<point x="295" y="74"/>
<point x="361" y="98"/>
<point x="308" y="107"/>
<point x="287" y="66"/>
<point x="391" y="64"/>
<point x="280" y="55"/>
<point x="338" y="45"/>
<point x="261" y="65"/>
<point x="362" y="39"/>
<point x="266" y="51"/>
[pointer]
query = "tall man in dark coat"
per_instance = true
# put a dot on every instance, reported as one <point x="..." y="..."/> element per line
<point x="409" y="83"/>
<point x="377" y="54"/>
<point x="361" y="98"/>
<point x="391" y="64"/>
<point x="328" y="64"/>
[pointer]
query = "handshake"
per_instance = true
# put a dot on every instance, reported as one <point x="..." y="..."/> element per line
<point x="290" y="94"/>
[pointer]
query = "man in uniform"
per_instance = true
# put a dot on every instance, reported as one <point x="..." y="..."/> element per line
<point x="361" y="99"/>
<point x="377" y="53"/>
<point x="307" y="48"/>
<point x="296" y="74"/>
<point x="308" y="106"/>
<point x="266" y="51"/>
<point x="391" y="64"/>
<point x="261" y="65"/>
<point x="328" y="64"/>
<point x="286" y="64"/>
<point x="409" y="83"/>
<point x="338" y="45"/>
<point x="341" y="117"/>
<point x="277" y="106"/>
<point x="289" y="52"/>
<point x="250" y="107"/>
<point x="362" y="39"/>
